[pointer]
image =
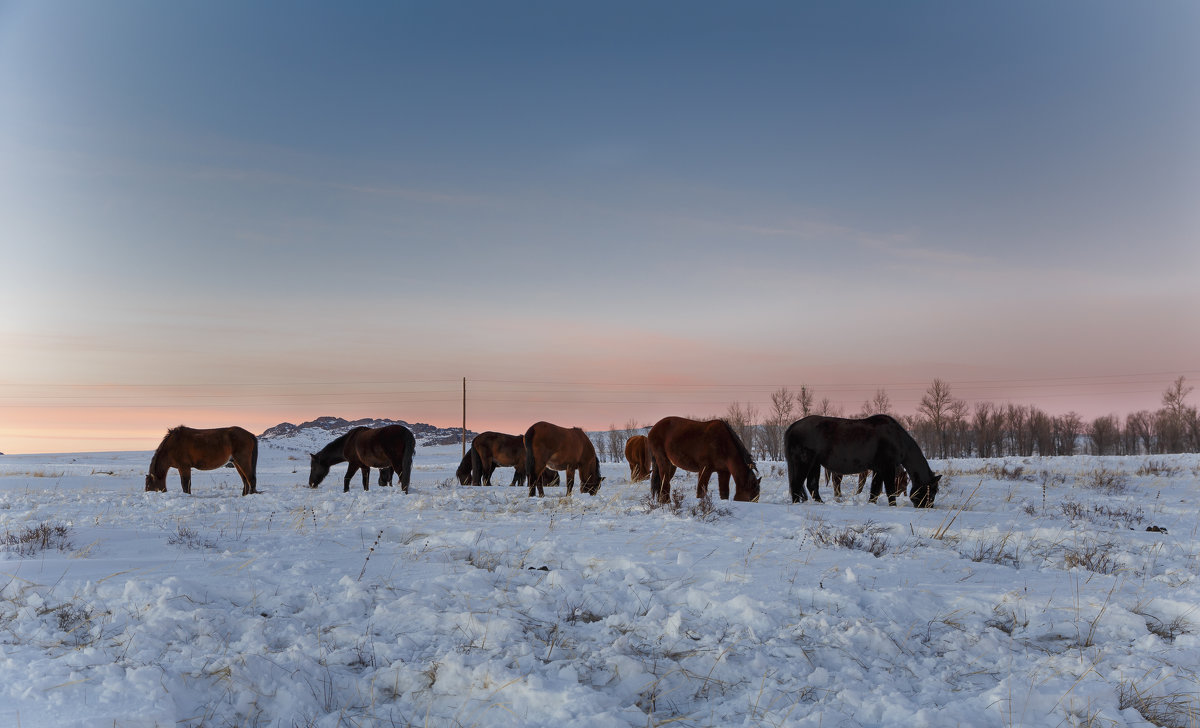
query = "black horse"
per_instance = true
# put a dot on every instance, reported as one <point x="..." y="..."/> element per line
<point x="877" y="443"/>
<point x="386" y="448"/>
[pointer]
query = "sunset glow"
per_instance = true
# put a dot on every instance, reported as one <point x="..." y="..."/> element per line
<point x="598" y="214"/>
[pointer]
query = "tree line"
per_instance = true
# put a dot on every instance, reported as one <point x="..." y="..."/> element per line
<point x="947" y="427"/>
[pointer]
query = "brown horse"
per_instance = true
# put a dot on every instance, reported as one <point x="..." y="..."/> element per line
<point x="637" y="454"/>
<point x="490" y="450"/>
<point x="552" y="447"/>
<point x="705" y="448"/>
<point x="184" y="448"/>
<point x="365" y="448"/>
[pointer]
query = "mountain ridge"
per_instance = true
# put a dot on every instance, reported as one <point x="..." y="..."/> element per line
<point x="425" y="434"/>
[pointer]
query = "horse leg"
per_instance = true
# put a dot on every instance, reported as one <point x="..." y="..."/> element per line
<point x="723" y="484"/>
<point x="350" y="471"/>
<point x="702" y="481"/>
<point x="837" y="484"/>
<point x="247" y="488"/>
<point x="571" y="480"/>
<point x="814" y="484"/>
<point x="797" y="474"/>
<point x="185" y="479"/>
<point x="876" y="487"/>
<point x="366" y="477"/>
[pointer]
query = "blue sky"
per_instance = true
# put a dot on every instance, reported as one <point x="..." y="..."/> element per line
<point x="288" y="199"/>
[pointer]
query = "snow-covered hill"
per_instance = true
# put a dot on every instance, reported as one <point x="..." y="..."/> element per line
<point x="313" y="435"/>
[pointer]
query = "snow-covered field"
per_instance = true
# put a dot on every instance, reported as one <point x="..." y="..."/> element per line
<point x="1032" y="595"/>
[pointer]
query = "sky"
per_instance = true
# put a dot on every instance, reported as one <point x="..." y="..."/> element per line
<point x="219" y="213"/>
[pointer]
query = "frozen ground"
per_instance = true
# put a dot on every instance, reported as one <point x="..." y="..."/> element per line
<point x="1033" y="595"/>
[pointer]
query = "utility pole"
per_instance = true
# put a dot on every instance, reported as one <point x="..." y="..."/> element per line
<point x="464" y="427"/>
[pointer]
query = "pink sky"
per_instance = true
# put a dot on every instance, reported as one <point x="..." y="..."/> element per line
<point x="215" y="220"/>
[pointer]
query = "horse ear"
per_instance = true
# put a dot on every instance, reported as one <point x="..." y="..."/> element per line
<point x="937" y="478"/>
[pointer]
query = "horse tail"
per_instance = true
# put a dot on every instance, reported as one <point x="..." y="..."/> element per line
<point x="476" y="465"/>
<point x="254" y="467"/>
<point x="410" y="446"/>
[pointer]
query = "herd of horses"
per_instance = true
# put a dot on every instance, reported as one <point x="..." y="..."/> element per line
<point x="876" y="445"/>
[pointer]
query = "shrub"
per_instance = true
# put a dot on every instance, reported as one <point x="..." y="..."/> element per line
<point x="33" y="540"/>
<point x="870" y="537"/>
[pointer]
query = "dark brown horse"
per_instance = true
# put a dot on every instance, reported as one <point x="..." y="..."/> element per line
<point x="365" y="448"/>
<point x="637" y="454"/>
<point x="464" y="471"/>
<point x="552" y="447"/>
<point x="705" y="448"/>
<point x="490" y="450"/>
<point x="185" y="448"/>
<point x="877" y="443"/>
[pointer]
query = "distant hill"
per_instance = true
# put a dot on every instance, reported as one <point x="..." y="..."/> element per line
<point x="314" y="434"/>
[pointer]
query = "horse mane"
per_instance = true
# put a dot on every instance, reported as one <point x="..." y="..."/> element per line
<point x="171" y="432"/>
<point x="741" y="446"/>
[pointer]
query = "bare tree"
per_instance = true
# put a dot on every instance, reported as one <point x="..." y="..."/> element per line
<point x="804" y="401"/>
<point x="988" y="425"/>
<point x="1105" y="435"/>
<point x="880" y="404"/>
<point x="828" y="409"/>
<point x="935" y="409"/>
<point x="783" y="404"/>
<point x="1067" y="429"/>
<point x="742" y="420"/>
<point x="1139" y="429"/>
<point x="1171" y="424"/>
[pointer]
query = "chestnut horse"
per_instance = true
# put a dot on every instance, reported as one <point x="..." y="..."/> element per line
<point x="877" y="443"/>
<point x="701" y="447"/>
<point x="184" y="448"/>
<point x="552" y="447"/>
<point x="490" y="450"/>
<point x="637" y="454"/>
<point x="364" y="448"/>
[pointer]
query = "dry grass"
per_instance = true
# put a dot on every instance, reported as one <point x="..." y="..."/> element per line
<point x="1176" y="710"/>
<point x="1105" y="479"/>
<point x="870" y="537"/>
<point x="33" y="540"/>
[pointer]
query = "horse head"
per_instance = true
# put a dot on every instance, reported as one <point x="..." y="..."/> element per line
<point x="316" y="471"/>
<point x="154" y="484"/>
<point x="922" y="495"/>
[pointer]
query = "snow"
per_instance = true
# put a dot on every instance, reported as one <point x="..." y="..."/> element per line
<point x="1036" y="600"/>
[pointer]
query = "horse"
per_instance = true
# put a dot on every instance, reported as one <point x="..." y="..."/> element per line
<point x="704" y="447"/>
<point x="464" y="470"/>
<point x="637" y="454"/>
<point x="836" y="480"/>
<point x="492" y="449"/>
<point x="877" y="443"/>
<point x="552" y="447"/>
<point x="364" y="448"/>
<point x="184" y="448"/>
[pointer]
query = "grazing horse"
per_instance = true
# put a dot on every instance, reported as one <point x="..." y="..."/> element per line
<point x="184" y="448"/>
<point x="836" y="480"/>
<point x="637" y="454"/>
<point x="490" y="450"/>
<point x="464" y="471"/>
<point x="701" y="447"/>
<point x="365" y="448"/>
<point x="552" y="447"/>
<point x="877" y="443"/>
